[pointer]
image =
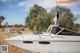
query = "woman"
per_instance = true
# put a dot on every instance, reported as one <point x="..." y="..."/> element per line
<point x="56" y="22"/>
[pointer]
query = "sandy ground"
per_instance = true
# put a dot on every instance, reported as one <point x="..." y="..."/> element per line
<point x="11" y="49"/>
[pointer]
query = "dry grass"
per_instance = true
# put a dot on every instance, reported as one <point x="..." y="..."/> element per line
<point x="12" y="49"/>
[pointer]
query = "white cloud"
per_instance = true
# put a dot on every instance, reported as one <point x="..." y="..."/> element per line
<point x="11" y="5"/>
<point x="47" y="4"/>
<point x="4" y="0"/>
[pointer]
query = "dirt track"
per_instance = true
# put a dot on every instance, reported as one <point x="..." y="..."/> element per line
<point x="11" y="49"/>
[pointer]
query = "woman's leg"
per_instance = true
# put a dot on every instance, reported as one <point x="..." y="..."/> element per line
<point x="50" y="28"/>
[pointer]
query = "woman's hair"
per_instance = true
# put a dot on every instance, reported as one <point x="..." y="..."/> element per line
<point x="57" y="15"/>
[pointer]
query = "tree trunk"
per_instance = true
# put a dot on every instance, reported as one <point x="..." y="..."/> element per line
<point x="0" y="24"/>
<point x="35" y="29"/>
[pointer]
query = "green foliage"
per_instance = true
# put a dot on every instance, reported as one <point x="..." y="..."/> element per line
<point x="76" y="27"/>
<point x="38" y="18"/>
<point x="1" y="19"/>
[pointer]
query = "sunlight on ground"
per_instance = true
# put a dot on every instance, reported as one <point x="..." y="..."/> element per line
<point x="4" y="35"/>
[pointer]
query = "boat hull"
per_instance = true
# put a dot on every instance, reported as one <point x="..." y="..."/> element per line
<point x="53" y="47"/>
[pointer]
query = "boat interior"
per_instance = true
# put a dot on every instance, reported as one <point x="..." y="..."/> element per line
<point x="63" y="31"/>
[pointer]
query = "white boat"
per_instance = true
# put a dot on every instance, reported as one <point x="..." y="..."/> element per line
<point x="63" y="41"/>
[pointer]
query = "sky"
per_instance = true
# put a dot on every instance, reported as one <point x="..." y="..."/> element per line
<point x="15" y="11"/>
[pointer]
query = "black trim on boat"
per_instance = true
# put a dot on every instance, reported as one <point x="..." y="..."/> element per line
<point x="44" y="42"/>
<point x="27" y="42"/>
